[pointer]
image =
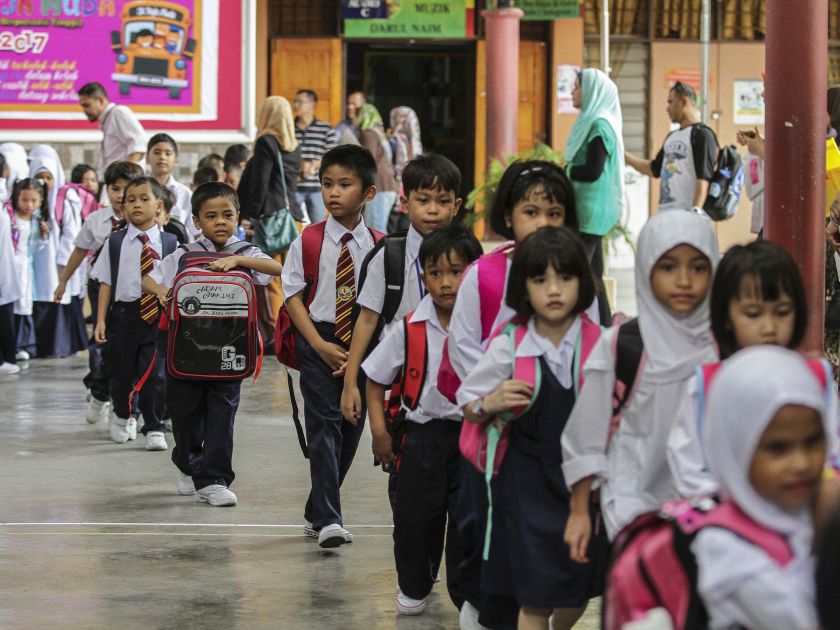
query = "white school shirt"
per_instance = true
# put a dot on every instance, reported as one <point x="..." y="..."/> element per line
<point x="385" y="362"/>
<point x="496" y="365"/>
<point x="23" y="265"/>
<point x="766" y="596"/>
<point x="322" y="308"/>
<point x="168" y="268"/>
<point x="96" y="229"/>
<point x="71" y="225"/>
<point x="372" y="295"/>
<point x="182" y="210"/>
<point x="632" y="471"/>
<point x="122" y="135"/>
<point x="44" y="262"/>
<point x="10" y="288"/>
<point x="128" y="281"/>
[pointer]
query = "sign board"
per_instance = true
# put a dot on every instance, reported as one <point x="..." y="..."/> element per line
<point x="749" y="102"/>
<point x="549" y="9"/>
<point x="407" y="19"/>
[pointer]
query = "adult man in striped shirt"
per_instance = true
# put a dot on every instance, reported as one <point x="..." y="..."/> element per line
<point x="315" y="138"/>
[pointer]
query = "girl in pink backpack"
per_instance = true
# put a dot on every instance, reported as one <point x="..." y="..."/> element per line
<point x="528" y="379"/>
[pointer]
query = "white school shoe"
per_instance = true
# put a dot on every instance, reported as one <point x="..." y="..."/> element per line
<point x="309" y="530"/>
<point x="132" y="428"/>
<point x="117" y="429"/>
<point x="468" y="619"/>
<point x="22" y="355"/>
<point x="9" y="368"/>
<point x="97" y="410"/>
<point x="155" y="441"/>
<point x="186" y="487"/>
<point x="334" y="536"/>
<point x="408" y="605"/>
<point x="216" y="495"/>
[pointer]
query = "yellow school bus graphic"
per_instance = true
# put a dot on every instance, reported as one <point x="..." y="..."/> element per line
<point x="153" y="48"/>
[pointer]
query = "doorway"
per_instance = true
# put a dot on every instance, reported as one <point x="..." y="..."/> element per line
<point x="437" y="81"/>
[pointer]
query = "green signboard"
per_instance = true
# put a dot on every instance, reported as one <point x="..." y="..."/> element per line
<point x="549" y="9"/>
<point x="410" y="19"/>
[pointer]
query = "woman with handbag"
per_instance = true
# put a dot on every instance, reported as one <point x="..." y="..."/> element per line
<point x="268" y="206"/>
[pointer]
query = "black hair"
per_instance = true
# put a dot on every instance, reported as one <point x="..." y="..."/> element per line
<point x="354" y="158"/>
<point x="681" y="89"/>
<point x="158" y="191"/>
<point x="828" y="570"/>
<point x="452" y="239"/>
<point x="78" y="172"/>
<point x="235" y="155"/>
<point x="168" y="200"/>
<point x="559" y="247"/>
<point x="122" y="170"/>
<point x="208" y="160"/>
<point x="205" y="174"/>
<point x="521" y="178"/>
<point x="309" y="94"/>
<point x="432" y="172"/>
<point x="773" y="271"/>
<point x="93" y="90"/>
<point x="143" y="33"/>
<point x="30" y="183"/>
<point x="162" y="137"/>
<point x="213" y="190"/>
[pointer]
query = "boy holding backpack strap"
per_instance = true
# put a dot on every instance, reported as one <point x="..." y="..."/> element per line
<point x="203" y="406"/>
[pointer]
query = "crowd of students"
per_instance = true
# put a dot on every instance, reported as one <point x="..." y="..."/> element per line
<point x="521" y="434"/>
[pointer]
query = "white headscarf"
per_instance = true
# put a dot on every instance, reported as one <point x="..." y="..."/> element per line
<point x="17" y="162"/>
<point x="45" y="150"/>
<point x="45" y="163"/>
<point x="745" y="395"/>
<point x="674" y="345"/>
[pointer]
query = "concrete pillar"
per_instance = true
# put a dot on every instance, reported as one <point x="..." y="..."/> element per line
<point x="795" y="127"/>
<point x="501" y="27"/>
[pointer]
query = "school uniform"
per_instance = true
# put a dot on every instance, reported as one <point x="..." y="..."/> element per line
<point x="131" y="339"/>
<point x="332" y="440"/>
<point x="527" y="557"/>
<point x="426" y="481"/>
<point x="71" y="225"/>
<point x="182" y="210"/>
<point x="203" y="411"/>
<point x="10" y="291"/>
<point x="24" y="325"/>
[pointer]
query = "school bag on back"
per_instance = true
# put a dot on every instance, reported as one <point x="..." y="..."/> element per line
<point x="726" y="185"/>
<point x="212" y="318"/>
<point x="88" y="199"/>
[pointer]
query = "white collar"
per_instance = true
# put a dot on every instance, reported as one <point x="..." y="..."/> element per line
<point x="336" y="231"/>
<point x="535" y="345"/>
<point x="211" y="246"/>
<point x="153" y="232"/>
<point x="413" y="240"/>
<point x="108" y="214"/>
<point x="426" y="312"/>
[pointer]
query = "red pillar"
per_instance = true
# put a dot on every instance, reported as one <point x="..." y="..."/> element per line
<point x="501" y="27"/>
<point x="795" y="92"/>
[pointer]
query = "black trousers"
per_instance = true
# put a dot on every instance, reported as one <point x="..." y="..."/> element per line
<point x="332" y="440"/>
<point x="592" y="244"/>
<point x="97" y="380"/>
<point x="202" y="425"/>
<point x="8" y="333"/>
<point x="426" y="488"/>
<point x="131" y="349"/>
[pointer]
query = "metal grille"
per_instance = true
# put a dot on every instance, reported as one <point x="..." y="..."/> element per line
<point x="311" y="18"/>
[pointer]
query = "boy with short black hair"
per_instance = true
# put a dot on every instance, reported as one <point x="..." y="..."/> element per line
<point x="204" y="175"/>
<point x="162" y="157"/>
<point x="131" y="317"/>
<point x="323" y="322"/>
<point x="430" y="196"/>
<point x="203" y="411"/>
<point x="422" y="432"/>
<point x="214" y="161"/>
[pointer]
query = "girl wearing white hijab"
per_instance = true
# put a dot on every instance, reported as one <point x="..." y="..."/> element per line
<point x="765" y="436"/>
<point x="18" y="164"/>
<point x="676" y="256"/>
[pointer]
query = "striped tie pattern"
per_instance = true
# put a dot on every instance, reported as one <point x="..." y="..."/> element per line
<point x="115" y="223"/>
<point x="345" y="291"/>
<point x="149" y="305"/>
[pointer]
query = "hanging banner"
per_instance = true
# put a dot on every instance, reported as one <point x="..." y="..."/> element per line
<point x="161" y="58"/>
<point x="407" y="19"/>
<point x="549" y="9"/>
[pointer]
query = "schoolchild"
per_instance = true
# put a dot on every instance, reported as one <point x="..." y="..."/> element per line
<point x="162" y="156"/>
<point x="550" y="286"/>
<point x="98" y="226"/>
<point x="127" y="319"/>
<point x="766" y="435"/>
<point x="430" y="197"/>
<point x="425" y="430"/>
<point x="676" y="256"/>
<point x="203" y="175"/>
<point x="170" y="224"/>
<point x="203" y="411"/>
<point x="214" y="161"/>
<point x="323" y="322"/>
<point x="11" y="290"/>
<point x="757" y="298"/>
<point x="85" y="175"/>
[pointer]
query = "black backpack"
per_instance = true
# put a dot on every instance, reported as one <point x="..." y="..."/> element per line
<point x="726" y="185"/>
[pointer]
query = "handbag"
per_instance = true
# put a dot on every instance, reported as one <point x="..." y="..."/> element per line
<point x="275" y="232"/>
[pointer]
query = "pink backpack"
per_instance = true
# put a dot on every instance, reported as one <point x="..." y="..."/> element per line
<point x="89" y="203"/>
<point x="491" y="269"/>
<point x="653" y="566"/>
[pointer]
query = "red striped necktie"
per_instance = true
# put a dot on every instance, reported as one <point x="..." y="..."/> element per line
<point x="149" y="305"/>
<point x="345" y="291"/>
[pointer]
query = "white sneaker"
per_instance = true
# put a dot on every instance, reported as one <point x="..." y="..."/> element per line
<point x="155" y="441"/>
<point x="131" y="427"/>
<point x="469" y="618"/>
<point x="185" y="485"/>
<point x="9" y="368"/>
<point x="97" y="410"/>
<point x="22" y="355"/>
<point x="334" y="536"/>
<point x="308" y="530"/>
<point x="409" y="606"/>
<point x="118" y="429"/>
<point x="216" y="495"/>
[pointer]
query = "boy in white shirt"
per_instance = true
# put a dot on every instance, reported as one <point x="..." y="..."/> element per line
<point x="162" y="156"/>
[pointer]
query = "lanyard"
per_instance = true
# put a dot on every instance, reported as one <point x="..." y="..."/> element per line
<point x="419" y="279"/>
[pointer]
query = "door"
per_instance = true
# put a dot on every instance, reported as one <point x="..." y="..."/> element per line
<point x="309" y="64"/>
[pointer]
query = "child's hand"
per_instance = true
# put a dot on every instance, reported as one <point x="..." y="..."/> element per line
<point x="99" y="333"/>
<point x="333" y="355"/>
<point x="339" y="373"/>
<point x="225" y="264"/>
<point x="163" y="298"/>
<point x="577" y="535"/>
<point x="351" y="402"/>
<point x="509" y="395"/>
<point x="59" y="291"/>
<point x="382" y="444"/>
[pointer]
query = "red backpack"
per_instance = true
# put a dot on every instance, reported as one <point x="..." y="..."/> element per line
<point x="653" y="566"/>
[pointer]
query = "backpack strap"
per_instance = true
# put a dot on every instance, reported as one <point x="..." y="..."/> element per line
<point x="312" y="240"/>
<point x="394" y="260"/>
<point x="491" y="270"/>
<point x="629" y="357"/>
<point x="730" y="517"/>
<point x="416" y="362"/>
<point x="115" y="243"/>
<point x="590" y="332"/>
<point x="524" y="368"/>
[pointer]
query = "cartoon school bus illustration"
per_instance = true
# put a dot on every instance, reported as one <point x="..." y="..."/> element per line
<point x="153" y="48"/>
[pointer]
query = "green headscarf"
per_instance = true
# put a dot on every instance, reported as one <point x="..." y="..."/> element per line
<point x="369" y="118"/>
<point x="599" y="99"/>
